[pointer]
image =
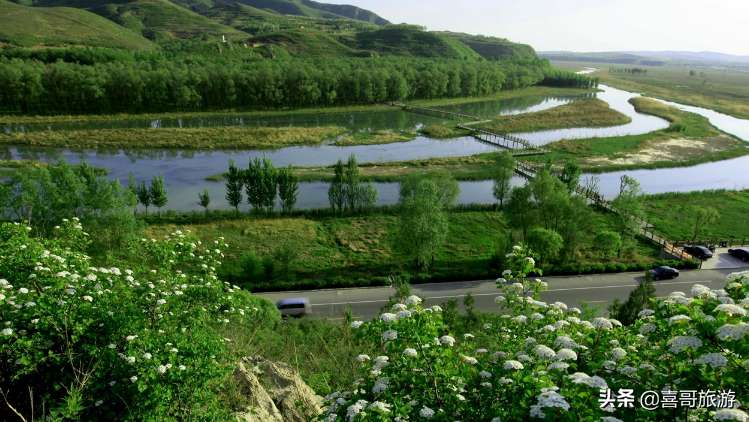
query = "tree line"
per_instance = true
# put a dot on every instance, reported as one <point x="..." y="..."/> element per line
<point x="566" y="79"/>
<point x="262" y="182"/>
<point x="152" y="83"/>
<point x="47" y="195"/>
<point x="627" y="71"/>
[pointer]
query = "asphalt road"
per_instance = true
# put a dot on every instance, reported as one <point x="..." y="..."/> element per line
<point x="597" y="290"/>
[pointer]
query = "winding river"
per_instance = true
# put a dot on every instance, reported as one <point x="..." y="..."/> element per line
<point x="185" y="170"/>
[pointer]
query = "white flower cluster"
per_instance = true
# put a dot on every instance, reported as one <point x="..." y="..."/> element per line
<point x="618" y="353"/>
<point x="732" y="332"/>
<point x="731" y="415"/>
<point x="731" y="309"/>
<point x="544" y="352"/>
<point x="566" y="354"/>
<point x="680" y="343"/>
<point x="513" y="364"/>
<point x="716" y="360"/>
<point x="450" y="341"/>
<point x="390" y="335"/>
<point x="602" y="323"/>
<point x="381" y="385"/>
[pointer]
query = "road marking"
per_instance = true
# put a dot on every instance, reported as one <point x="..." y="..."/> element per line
<point x="499" y="293"/>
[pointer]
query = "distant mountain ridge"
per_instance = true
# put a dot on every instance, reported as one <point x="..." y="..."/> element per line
<point x="692" y="56"/>
<point x="646" y="57"/>
<point x="250" y="28"/>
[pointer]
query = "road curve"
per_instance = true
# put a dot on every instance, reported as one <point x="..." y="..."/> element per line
<point x="598" y="289"/>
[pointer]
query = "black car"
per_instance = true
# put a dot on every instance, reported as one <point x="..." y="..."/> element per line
<point x="742" y="254"/>
<point x="700" y="252"/>
<point x="664" y="272"/>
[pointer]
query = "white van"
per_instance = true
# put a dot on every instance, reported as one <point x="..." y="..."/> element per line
<point x="294" y="307"/>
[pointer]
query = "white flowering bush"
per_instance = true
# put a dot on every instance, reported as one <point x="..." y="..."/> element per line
<point x="546" y="363"/>
<point x="106" y="343"/>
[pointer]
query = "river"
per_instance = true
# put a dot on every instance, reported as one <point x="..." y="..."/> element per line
<point x="185" y="171"/>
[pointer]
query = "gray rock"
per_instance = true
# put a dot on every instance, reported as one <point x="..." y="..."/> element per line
<point x="274" y="388"/>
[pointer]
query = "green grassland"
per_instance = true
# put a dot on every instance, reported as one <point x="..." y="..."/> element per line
<point x="163" y="20"/>
<point x="375" y="138"/>
<point x="586" y="112"/>
<point x="404" y="40"/>
<point x="493" y="48"/>
<point x="363" y="246"/>
<point x="257" y="22"/>
<point x="473" y="167"/>
<point x="316" y="10"/>
<point x="62" y="26"/>
<point x="232" y="137"/>
<point x="305" y="43"/>
<point x="674" y="213"/>
<point x="698" y="142"/>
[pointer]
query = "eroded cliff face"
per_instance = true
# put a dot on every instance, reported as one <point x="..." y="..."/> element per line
<point x="273" y="389"/>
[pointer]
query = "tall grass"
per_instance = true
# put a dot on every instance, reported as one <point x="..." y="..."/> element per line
<point x="230" y="137"/>
<point x="586" y="112"/>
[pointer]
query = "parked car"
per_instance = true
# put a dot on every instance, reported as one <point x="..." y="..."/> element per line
<point x="742" y="254"/>
<point x="294" y="307"/>
<point x="664" y="272"/>
<point x="700" y="252"/>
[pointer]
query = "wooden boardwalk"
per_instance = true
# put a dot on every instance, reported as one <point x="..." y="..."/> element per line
<point x="520" y="147"/>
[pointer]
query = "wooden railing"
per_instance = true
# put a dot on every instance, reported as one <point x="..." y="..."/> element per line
<point x="710" y="242"/>
<point x="519" y="147"/>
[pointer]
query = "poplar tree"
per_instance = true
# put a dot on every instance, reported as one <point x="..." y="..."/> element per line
<point x="132" y="187"/>
<point x="234" y="185"/>
<point x="144" y="197"/>
<point x="158" y="192"/>
<point x="504" y="169"/>
<point x="288" y="187"/>
<point x="253" y="181"/>
<point x="268" y="187"/>
<point x="351" y="187"/>
<point x="204" y="199"/>
<point x="335" y="191"/>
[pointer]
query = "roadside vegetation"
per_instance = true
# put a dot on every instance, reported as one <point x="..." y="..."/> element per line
<point x="171" y="360"/>
<point x="676" y="214"/>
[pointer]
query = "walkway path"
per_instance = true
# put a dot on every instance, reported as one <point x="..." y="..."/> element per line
<point x="520" y="147"/>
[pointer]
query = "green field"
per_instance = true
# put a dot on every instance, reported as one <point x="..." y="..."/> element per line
<point x="230" y="137"/>
<point x="363" y="246"/>
<point x="63" y="26"/>
<point x="586" y="112"/>
<point x="724" y="90"/>
<point x="674" y="214"/>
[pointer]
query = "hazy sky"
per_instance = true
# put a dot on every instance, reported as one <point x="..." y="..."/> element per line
<point x="583" y="25"/>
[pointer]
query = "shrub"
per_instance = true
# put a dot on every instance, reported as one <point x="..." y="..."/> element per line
<point x="545" y="362"/>
<point x="104" y="343"/>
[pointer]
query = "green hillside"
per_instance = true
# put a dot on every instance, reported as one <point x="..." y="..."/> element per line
<point x="410" y="41"/>
<point x="347" y="11"/>
<point x="306" y="43"/>
<point x="162" y="20"/>
<point x="493" y="48"/>
<point x="34" y="26"/>
<point x="258" y="22"/>
<point x="316" y="10"/>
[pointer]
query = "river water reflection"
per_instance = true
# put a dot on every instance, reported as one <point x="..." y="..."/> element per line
<point x="185" y="171"/>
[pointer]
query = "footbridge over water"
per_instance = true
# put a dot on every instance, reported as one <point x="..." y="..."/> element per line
<point x="520" y="147"/>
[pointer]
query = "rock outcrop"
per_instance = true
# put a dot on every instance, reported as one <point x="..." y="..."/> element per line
<point x="273" y="389"/>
